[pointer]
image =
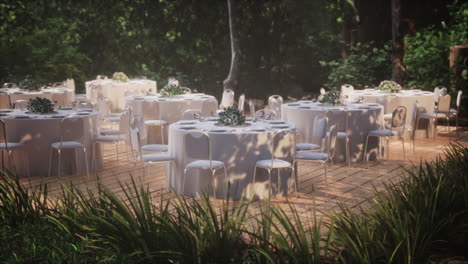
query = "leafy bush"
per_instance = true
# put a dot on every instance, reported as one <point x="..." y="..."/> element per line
<point x="366" y="66"/>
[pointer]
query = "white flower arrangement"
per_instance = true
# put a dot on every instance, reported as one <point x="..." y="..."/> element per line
<point x="120" y="77"/>
<point x="389" y="86"/>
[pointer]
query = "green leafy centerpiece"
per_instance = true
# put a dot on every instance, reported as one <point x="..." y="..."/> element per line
<point x="170" y="90"/>
<point x="120" y="77"/>
<point x="389" y="86"/>
<point x="40" y="105"/>
<point x="29" y="84"/>
<point x="332" y="97"/>
<point x="231" y="116"/>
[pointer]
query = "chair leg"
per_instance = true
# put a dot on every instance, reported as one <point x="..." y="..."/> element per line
<point x="365" y="149"/>
<point x="456" y="123"/>
<point x="213" y="181"/>
<point x="270" y="183"/>
<point x="253" y="181"/>
<point x="59" y="170"/>
<point x="76" y="161"/>
<point x="228" y="182"/>
<point x="325" y="170"/>
<point x="50" y="160"/>
<point x="183" y="181"/>
<point x="279" y="181"/>
<point x="403" y="143"/>
<point x="86" y="162"/>
<point x="348" y="158"/>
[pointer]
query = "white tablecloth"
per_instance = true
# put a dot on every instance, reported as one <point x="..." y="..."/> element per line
<point x="239" y="148"/>
<point x="116" y="91"/>
<point x="171" y="108"/>
<point x="60" y="96"/>
<point x="37" y="132"/>
<point x="390" y="101"/>
<point x="361" y="119"/>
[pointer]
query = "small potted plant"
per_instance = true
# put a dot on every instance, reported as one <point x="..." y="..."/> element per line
<point x="40" y="105"/>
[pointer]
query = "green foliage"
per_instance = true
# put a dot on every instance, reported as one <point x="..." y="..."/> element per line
<point x="427" y="52"/>
<point x="40" y="105"/>
<point x="366" y="66"/>
<point x="29" y="84"/>
<point x="331" y="97"/>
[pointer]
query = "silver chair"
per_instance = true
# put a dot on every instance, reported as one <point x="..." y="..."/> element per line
<point x="201" y="157"/>
<point x="103" y="106"/>
<point x="20" y="104"/>
<point x="319" y="132"/>
<point x="453" y="112"/>
<point x="192" y="114"/>
<point x="274" y="162"/>
<point x="443" y="104"/>
<point x="147" y="159"/>
<point x="72" y="136"/>
<point x="265" y="114"/>
<point x="9" y="147"/>
<point x="159" y="122"/>
<point x="396" y="128"/>
<point x="139" y="121"/>
<point x="438" y="91"/>
<point x="274" y="103"/>
<point x="252" y="107"/>
<point x="321" y="157"/>
<point x="343" y="134"/>
<point x="346" y="89"/>
<point x="209" y="107"/>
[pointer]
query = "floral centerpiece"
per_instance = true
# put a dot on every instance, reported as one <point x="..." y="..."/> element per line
<point x="389" y="86"/>
<point x="120" y="77"/>
<point x="231" y="116"/>
<point x="171" y="89"/>
<point x="40" y="105"/>
<point x="332" y="97"/>
<point x="29" y="84"/>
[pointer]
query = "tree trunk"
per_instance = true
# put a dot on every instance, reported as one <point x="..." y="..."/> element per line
<point x="232" y="81"/>
<point x="398" y="69"/>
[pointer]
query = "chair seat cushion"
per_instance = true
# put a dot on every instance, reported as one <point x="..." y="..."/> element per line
<point x="451" y="111"/>
<point x="156" y="157"/>
<point x="309" y="155"/>
<point x="277" y="164"/>
<point x="205" y="164"/>
<point x="106" y="132"/>
<point x="112" y="119"/>
<point x="155" y="122"/>
<point x="109" y="138"/>
<point x="67" y="145"/>
<point x="155" y="148"/>
<point x="383" y="133"/>
<point x="340" y="134"/>
<point x="307" y="146"/>
<point x="432" y="115"/>
<point x="11" y="145"/>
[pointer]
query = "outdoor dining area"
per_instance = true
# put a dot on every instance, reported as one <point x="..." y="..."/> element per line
<point x="225" y="150"/>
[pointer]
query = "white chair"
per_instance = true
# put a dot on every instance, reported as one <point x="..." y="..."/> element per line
<point x="101" y="77"/>
<point x="274" y="103"/>
<point x="227" y="100"/>
<point x="72" y="137"/>
<point x="442" y="104"/>
<point x="124" y="123"/>
<point x="147" y="159"/>
<point x="192" y="114"/>
<point x="186" y="90"/>
<point x="240" y="104"/>
<point x="9" y="147"/>
<point x="453" y="112"/>
<point x="319" y="132"/>
<point x="252" y="107"/>
<point x="154" y="108"/>
<point x="343" y="134"/>
<point x="321" y="157"/>
<point x="396" y="128"/>
<point x="20" y="104"/>
<point x="438" y="91"/>
<point x="209" y="107"/>
<point x="83" y="104"/>
<point x="10" y="85"/>
<point x="103" y="106"/>
<point x="139" y="121"/>
<point x="265" y="114"/>
<point x="201" y="157"/>
<point x="274" y="162"/>
<point x="346" y="89"/>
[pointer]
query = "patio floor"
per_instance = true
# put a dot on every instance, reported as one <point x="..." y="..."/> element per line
<point x="350" y="185"/>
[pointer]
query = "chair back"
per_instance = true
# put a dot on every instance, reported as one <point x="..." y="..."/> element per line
<point x="134" y="138"/>
<point x="399" y="117"/>
<point x="20" y="104"/>
<point x="72" y="129"/>
<point x="275" y="143"/>
<point x="444" y="103"/>
<point x="197" y="146"/>
<point x="346" y="89"/>
<point x="3" y="134"/>
<point x="192" y="114"/>
<point x="265" y="114"/>
<point x="101" y="77"/>
<point x="414" y="115"/>
<point x="139" y="122"/>
<point x="10" y="85"/>
<point x="241" y="102"/>
<point x="151" y="110"/>
<point x="227" y="100"/>
<point x="83" y="105"/>
<point x="438" y="91"/>
<point x="209" y="107"/>
<point x="331" y="141"/>
<point x="459" y="97"/>
<point x="274" y="103"/>
<point x="103" y="104"/>
<point x="339" y="117"/>
<point x="252" y="107"/>
<point x="125" y="118"/>
<point x="320" y="129"/>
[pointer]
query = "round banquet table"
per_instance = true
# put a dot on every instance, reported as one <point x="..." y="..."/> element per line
<point x="116" y="91"/>
<point x="170" y="108"/>
<point x="239" y="148"/>
<point x="361" y="119"/>
<point x="37" y="131"/>
<point x="60" y="96"/>
<point x="390" y="101"/>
